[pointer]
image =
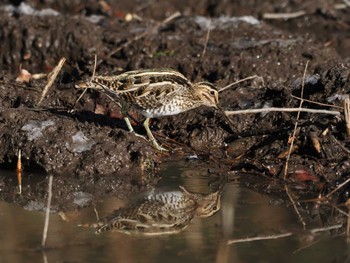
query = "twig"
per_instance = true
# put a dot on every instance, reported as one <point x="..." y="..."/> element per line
<point x="238" y="81"/>
<point x="248" y="111"/>
<point x="277" y="236"/>
<point x="155" y="28"/>
<point x="291" y="147"/>
<point x="93" y="75"/>
<point x="52" y="76"/>
<point x="249" y="239"/>
<point x="296" y="123"/>
<point x="47" y="214"/>
<point x="317" y="103"/>
<point x="284" y="15"/>
<point x="336" y="189"/>
<point x="340" y="144"/>
<point x="206" y="39"/>
<point x="19" y="171"/>
<point x="347" y="114"/>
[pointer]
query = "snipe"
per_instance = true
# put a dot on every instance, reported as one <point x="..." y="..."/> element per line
<point x="154" y="93"/>
<point x="159" y="213"/>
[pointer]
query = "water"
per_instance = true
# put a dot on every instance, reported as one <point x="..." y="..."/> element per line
<point x="243" y="213"/>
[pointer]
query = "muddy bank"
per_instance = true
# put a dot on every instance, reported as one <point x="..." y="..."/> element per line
<point x="88" y="140"/>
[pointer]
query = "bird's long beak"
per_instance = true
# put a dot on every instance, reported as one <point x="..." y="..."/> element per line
<point x="228" y="121"/>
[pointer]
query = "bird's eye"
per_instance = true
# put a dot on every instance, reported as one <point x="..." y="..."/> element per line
<point x="212" y="92"/>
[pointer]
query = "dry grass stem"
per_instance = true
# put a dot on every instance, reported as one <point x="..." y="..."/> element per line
<point x="340" y="144"/>
<point x="153" y="29"/>
<point x="272" y="109"/>
<point x="317" y="103"/>
<point x="52" y="76"/>
<point x="336" y="189"/>
<point x="238" y="81"/>
<point x="296" y="122"/>
<point x="19" y="171"/>
<point x="284" y="15"/>
<point x="93" y="75"/>
<point x="347" y="114"/>
<point x="291" y="148"/>
<point x="47" y="214"/>
<point x="206" y="38"/>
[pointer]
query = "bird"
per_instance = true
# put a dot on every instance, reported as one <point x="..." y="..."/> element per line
<point x="154" y="93"/>
<point x="160" y="212"/>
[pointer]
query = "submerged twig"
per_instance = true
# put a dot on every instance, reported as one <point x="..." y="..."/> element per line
<point x="47" y="214"/>
<point x="277" y="236"/>
<point x="52" y="76"/>
<point x="236" y="82"/>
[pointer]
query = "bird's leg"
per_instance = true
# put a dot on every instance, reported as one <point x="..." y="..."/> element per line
<point x="151" y="137"/>
<point x="127" y="121"/>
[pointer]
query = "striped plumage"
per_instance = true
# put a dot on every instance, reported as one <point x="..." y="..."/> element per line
<point x="155" y="93"/>
<point x="160" y="213"/>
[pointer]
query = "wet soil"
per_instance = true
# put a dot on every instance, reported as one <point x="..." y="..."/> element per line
<point x="86" y="144"/>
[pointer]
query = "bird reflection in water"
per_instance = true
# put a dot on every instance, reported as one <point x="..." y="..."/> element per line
<point x="157" y="213"/>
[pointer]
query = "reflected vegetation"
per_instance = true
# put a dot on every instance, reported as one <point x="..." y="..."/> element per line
<point x="233" y="212"/>
<point x="160" y="212"/>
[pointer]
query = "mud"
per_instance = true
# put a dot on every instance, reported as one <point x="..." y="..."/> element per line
<point x="86" y="144"/>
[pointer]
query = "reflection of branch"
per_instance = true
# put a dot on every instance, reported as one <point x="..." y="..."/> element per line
<point x="294" y="205"/>
<point x="47" y="214"/>
<point x="277" y="236"/>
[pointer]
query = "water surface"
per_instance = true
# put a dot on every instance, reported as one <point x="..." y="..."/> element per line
<point x="243" y="213"/>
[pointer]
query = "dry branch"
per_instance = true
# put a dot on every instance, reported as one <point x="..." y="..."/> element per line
<point x="347" y="114"/>
<point x="52" y="76"/>
<point x="284" y="15"/>
<point x="249" y="111"/>
<point x="238" y="81"/>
